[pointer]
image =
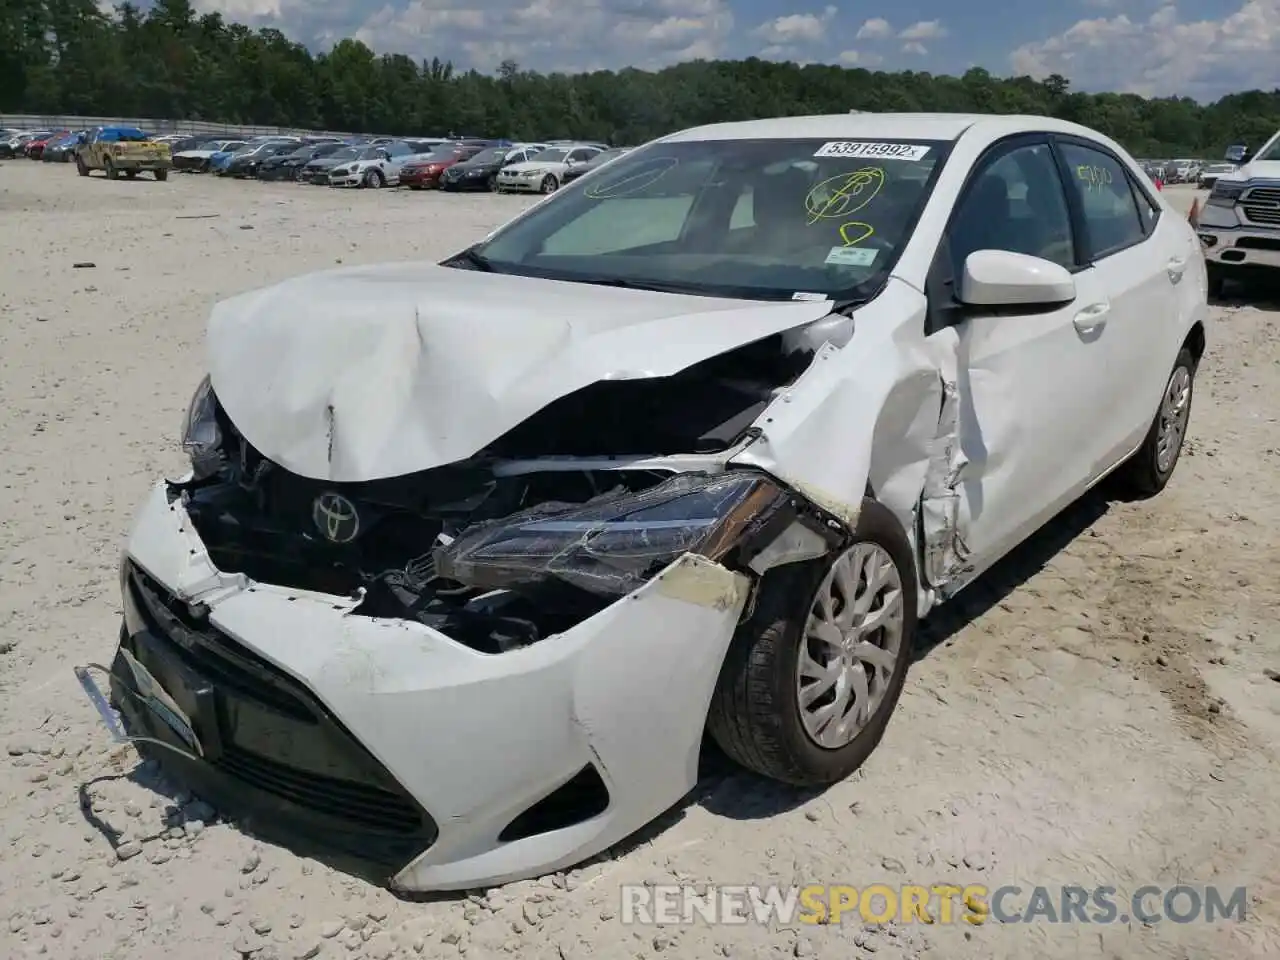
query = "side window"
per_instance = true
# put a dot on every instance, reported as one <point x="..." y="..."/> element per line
<point x="1015" y="203"/>
<point x="1111" y="216"/>
<point x="1148" y="212"/>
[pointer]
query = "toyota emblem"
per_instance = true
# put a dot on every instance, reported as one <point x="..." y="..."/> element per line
<point x="335" y="517"/>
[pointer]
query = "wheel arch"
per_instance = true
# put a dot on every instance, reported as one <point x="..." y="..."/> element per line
<point x="1195" y="341"/>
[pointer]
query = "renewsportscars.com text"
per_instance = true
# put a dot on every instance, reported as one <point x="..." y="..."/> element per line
<point x="936" y="903"/>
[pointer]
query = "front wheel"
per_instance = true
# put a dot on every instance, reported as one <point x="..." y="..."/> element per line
<point x="550" y="184"/>
<point x="374" y="179"/>
<point x="812" y="677"/>
<point x="1148" y="471"/>
<point x="81" y="168"/>
<point x="162" y="175"/>
<point x="112" y="172"/>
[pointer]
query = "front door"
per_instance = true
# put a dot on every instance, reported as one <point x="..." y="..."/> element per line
<point x="1031" y="385"/>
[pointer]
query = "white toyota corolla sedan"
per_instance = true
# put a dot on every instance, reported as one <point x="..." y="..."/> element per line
<point x="472" y="555"/>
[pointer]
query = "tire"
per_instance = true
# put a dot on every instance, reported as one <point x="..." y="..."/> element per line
<point x="755" y="713"/>
<point x="374" y="180"/>
<point x="112" y="172"/>
<point x="162" y="175"/>
<point x="1146" y="473"/>
<point x="550" y="184"/>
<point x="1217" y="280"/>
<point x="81" y="168"/>
<point x="492" y="183"/>
<point x="131" y="174"/>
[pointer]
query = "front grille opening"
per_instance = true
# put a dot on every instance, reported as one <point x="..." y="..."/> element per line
<point x="210" y="654"/>
<point x="1259" y="243"/>
<point x="583" y="797"/>
<point x="368" y="807"/>
<point x="363" y="804"/>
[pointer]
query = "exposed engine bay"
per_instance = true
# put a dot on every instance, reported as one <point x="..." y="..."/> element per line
<point x="498" y="559"/>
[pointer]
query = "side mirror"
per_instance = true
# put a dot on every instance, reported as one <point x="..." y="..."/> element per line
<point x="1001" y="278"/>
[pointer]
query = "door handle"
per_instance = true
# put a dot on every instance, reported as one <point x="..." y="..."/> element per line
<point x="1092" y="317"/>
<point x="1177" y="266"/>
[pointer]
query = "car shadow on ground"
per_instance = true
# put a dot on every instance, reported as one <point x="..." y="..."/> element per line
<point x="1259" y="292"/>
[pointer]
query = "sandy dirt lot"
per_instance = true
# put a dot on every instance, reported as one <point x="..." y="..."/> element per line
<point x="1102" y="710"/>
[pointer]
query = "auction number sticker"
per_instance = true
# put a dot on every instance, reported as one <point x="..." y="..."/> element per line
<point x="852" y="256"/>
<point x="865" y="150"/>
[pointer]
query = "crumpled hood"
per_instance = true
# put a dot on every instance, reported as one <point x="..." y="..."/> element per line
<point x="372" y="372"/>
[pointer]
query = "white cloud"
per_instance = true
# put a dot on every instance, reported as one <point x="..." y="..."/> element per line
<point x="859" y="58"/>
<point x="1164" y="54"/>
<point x="915" y="47"/>
<point x="563" y="35"/>
<point x="796" y="28"/>
<point x="877" y="28"/>
<point x="924" y="30"/>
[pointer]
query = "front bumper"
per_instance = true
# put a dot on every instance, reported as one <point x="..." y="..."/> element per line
<point x="1240" y="247"/>
<point x="491" y="768"/>
<point x="465" y="183"/>
<point x="346" y="179"/>
<point x="419" y="179"/>
<point x="520" y="184"/>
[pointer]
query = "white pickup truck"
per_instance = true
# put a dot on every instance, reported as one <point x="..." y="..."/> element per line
<point x="1239" y="225"/>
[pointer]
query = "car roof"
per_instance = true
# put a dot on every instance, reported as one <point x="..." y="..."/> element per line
<point x="882" y="126"/>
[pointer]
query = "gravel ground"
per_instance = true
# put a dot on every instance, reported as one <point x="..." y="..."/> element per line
<point x="1102" y="709"/>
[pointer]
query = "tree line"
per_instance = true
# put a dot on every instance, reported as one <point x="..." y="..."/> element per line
<point x="69" y="57"/>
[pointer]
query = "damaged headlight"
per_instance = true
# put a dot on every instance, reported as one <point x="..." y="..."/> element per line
<point x="201" y="436"/>
<point x="613" y="545"/>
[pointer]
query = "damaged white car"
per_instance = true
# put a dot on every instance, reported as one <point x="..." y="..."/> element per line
<point x="472" y="555"/>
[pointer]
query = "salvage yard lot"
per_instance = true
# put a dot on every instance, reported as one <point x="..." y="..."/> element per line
<point x="1101" y="710"/>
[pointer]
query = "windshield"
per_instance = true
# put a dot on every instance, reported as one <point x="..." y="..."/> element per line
<point x="1270" y="150"/>
<point x="752" y="218"/>
<point x="488" y="156"/>
<point x="369" y="153"/>
<point x="554" y="155"/>
<point x="347" y="153"/>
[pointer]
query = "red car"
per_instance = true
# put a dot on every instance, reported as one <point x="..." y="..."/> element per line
<point x="34" y="149"/>
<point x="423" y="173"/>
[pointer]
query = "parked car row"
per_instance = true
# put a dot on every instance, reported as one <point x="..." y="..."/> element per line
<point x="419" y="163"/>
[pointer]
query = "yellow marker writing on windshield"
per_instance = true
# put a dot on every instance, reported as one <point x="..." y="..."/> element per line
<point x="845" y="195"/>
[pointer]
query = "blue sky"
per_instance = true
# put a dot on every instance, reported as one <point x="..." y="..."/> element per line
<point x="1202" y="49"/>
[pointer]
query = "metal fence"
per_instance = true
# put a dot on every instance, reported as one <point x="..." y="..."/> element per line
<point x="195" y="128"/>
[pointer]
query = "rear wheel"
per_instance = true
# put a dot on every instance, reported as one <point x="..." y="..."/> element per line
<point x="812" y="677"/>
<point x="112" y="172"/>
<point x="131" y="174"/>
<point x="162" y="175"/>
<point x="1148" y="471"/>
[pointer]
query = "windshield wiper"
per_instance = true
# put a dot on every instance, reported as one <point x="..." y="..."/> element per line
<point x="655" y="285"/>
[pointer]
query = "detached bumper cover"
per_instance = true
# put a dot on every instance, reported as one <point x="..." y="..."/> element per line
<point x="467" y="755"/>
